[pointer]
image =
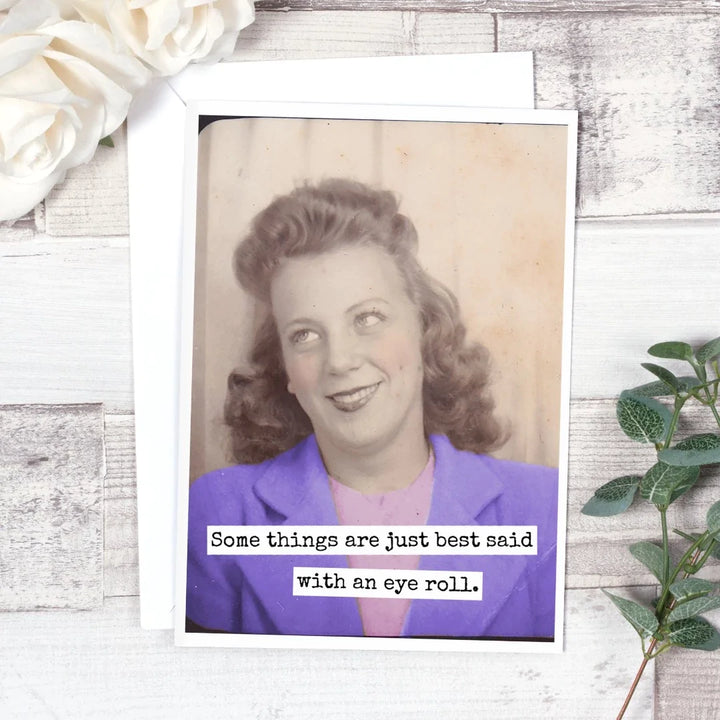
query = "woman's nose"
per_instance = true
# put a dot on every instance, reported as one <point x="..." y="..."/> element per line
<point x="342" y="353"/>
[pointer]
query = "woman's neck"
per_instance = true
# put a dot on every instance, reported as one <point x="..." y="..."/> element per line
<point x="376" y="470"/>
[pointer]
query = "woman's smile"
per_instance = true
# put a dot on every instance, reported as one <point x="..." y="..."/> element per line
<point x="352" y="400"/>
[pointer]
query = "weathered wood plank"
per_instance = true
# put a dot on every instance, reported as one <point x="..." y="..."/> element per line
<point x="93" y="198"/>
<point x="65" y="314"/>
<point x="121" y="671"/>
<point x="645" y="86"/>
<point x="494" y="6"/>
<point x="351" y="34"/>
<point x="688" y="683"/>
<point x="51" y="479"/>
<point x="120" y="508"/>
<point x="638" y="283"/>
<point x="19" y="231"/>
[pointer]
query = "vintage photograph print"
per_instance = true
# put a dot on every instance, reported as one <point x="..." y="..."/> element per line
<point x="375" y="377"/>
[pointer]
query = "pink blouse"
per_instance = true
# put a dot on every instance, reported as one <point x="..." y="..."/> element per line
<point x="384" y="617"/>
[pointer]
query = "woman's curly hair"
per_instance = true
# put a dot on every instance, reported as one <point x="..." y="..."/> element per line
<point x="265" y="419"/>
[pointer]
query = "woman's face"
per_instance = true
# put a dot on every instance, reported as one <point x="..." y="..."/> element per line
<point x="350" y="340"/>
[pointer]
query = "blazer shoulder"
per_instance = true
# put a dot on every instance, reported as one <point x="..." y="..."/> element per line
<point x="234" y="494"/>
<point x="227" y="492"/>
<point x="508" y="472"/>
<point x="513" y="471"/>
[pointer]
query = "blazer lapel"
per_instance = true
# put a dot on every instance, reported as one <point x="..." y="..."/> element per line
<point x="465" y="492"/>
<point x="296" y="491"/>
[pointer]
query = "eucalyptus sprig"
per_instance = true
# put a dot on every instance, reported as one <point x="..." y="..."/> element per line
<point x="674" y="618"/>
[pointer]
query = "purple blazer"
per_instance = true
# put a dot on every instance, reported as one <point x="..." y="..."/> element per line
<point x="253" y="594"/>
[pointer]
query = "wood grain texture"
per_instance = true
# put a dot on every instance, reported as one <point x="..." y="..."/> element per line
<point x="645" y="86"/>
<point x="688" y="683"/>
<point x="17" y="232"/>
<point x="51" y="478"/>
<point x="93" y="198"/>
<point x="352" y="34"/>
<point x="639" y="282"/>
<point x="491" y="6"/>
<point x="120" y="508"/>
<point x="65" y="312"/>
<point x="118" y="670"/>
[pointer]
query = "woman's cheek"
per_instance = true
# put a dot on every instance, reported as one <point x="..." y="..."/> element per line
<point x="302" y="374"/>
<point x="400" y="354"/>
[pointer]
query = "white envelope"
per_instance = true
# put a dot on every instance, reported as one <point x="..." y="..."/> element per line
<point x="156" y="138"/>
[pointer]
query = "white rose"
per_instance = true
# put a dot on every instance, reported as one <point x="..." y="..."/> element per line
<point x="169" y="34"/>
<point x="63" y="87"/>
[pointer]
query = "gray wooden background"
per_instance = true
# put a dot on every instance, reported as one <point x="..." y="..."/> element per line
<point x="645" y="77"/>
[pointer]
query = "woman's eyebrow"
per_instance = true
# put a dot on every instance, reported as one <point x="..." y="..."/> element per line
<point x="368" y="301"/>
<point x="298" y="321"/>
<point x="353" y="308"/>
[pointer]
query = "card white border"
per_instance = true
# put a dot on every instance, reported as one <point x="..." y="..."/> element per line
<point x="156" y="131"/>
<point x="365" y="112"/>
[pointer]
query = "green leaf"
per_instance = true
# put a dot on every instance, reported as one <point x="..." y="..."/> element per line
<point x="665" y="375"/>
<point x="641" y="618"/>
<point x="613" y="497"/>
<point x="672" y="350"/>
<point x="691" y="588"/>
<point x="664" y="483"/>
<point x="713" y="520"/>
<point x="701" y="449"/>
<point x="657" y="389"/>
<point x="683" y="487"/>
<point x="651" y="556"/>
<point x="651" y="389"/>
<point x="642" y="419"/>
<point x="694" y="633"/>
<point x="687" y="383"/>
<point x="708" y="351"/>
<point x="693" y="607"/>
<point x="107" y="141"/>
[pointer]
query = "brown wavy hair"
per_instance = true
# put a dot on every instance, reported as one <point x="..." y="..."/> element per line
<point x="265" y="419"/>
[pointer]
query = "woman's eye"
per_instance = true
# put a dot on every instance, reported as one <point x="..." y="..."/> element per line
<point x="302" y="337"/>
<point x="369" y="319"/>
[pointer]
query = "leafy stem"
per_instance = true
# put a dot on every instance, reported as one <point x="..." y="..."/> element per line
<point x="680" y="400"/>
<point x="651" y="652"/>
<point x="666" y="549"/>
<point x="675" y="619"/>
<point x="712" y="405"/>
<point x="691" y="554"/>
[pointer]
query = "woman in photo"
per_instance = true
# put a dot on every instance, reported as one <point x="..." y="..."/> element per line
<point x="364" y="405"/>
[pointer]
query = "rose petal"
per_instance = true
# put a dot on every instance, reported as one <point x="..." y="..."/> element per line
<point x="95" y="46"/>
<point x="99" y="89"/>
<point x="161" y="18"/>
<point x="28" y="15"/>
<point x="18" y="51"/>
<point x="16" y="129"/>
<point x="237" y="13"/>
<point x="18" y="197"/>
